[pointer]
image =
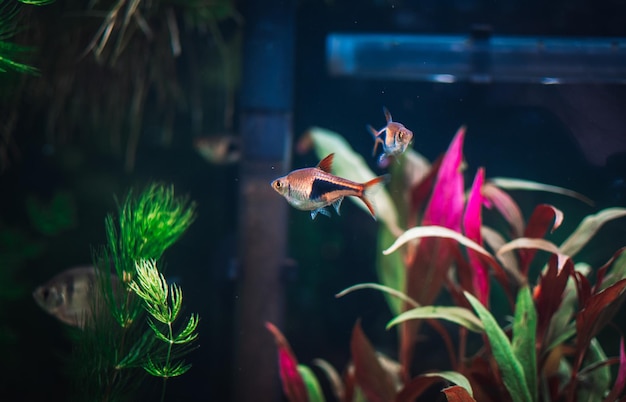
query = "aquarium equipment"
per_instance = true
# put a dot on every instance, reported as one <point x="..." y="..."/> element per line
<point x="265" y="128"/>
<point x="479" y="58"/>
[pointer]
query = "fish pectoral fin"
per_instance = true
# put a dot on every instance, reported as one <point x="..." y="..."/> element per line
<point x="387" y="115"/>
<point x="376" y="142"/>
<point x="372" y="130"/>
<point x="337" y="204"/>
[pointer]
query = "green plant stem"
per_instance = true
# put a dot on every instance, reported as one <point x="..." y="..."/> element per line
<point x="167" y="360"/>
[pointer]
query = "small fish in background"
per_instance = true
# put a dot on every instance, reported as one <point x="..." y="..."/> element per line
<point x="313" y="189"/>
<point x="67" y="296"/>
<point x="220" y="149"/>
<point x="394" y="137"/>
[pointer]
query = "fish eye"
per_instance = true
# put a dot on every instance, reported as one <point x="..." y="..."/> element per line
<point x="277" y="184"/>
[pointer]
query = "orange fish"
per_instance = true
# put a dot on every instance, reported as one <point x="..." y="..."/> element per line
<point x="394" y="138"/>
<point x="313" y="189"/>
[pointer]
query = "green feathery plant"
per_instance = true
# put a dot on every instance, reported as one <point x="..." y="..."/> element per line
<point x="9" y="51"/>
<point x="118" y="347"/>
<point x="151" y="287"/>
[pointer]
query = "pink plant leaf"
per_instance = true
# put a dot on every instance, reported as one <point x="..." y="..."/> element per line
<point x="428" y="267"/>
<point x="420" y="192"/>
<point x="507" y="207"/>
<point x="374" y="380"/>
<point x="445" y="207"/>
<point x="472" y="222"/>
<point x="293" y="384"/>
<point x="543" y="219"/>
<point x="456" y="393"/>
<point x="620" y="381"/>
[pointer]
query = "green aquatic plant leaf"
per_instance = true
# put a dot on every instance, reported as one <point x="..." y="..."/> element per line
<point x="336" y="384"/>
<point x="153" y="221"/>
<point x="188" y="334"/>
<point x="151" y="287"/>
<point x="455" y="378"/>
<point x="387" y="290"/>
<point x="524" y="336"/>
<point x="390" y="269"/>
<point x="595" y="378"/>
<point x="166" y="370"/>
<point x="588" y="228"/>
<point x="9" y="26"/>
<point x="510" y="367"/>
<point x="519" y="184"/>
<point x="418" y="385"/>
<point x="313" y="388"/>
<point x="458" y="315"/>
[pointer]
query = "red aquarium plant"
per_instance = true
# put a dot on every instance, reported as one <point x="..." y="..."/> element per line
<point x="549" y="352"/>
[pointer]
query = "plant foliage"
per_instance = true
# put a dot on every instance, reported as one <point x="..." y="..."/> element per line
<point x="133" y="331"/>
<point x="550" y="352"/>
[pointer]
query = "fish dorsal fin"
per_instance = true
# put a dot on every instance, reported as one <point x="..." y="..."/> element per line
<point x="326" y="164"/>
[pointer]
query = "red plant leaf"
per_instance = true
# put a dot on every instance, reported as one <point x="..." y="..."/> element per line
<point x="596" y="312"/>
<point x="620" y="381"/>
<point x="544" y="218"/>
<point x="415" y="388"/>
<point x="548" y="294"/>
<point x="293" y="384"/>
<point x="376" y="383"/>
<point x="428" y="267"/>
<point x="456" y="393"/>
<point x="583" y="288"/>
<point x="472" y="222"/>
<point x="602" y="271"/>
<point x="509" y="209"/>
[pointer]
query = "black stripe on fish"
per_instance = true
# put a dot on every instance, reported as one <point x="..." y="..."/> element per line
<point x="321" y="187"/>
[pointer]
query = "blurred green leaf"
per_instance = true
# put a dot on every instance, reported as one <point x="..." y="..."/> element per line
<point x="459" y="315"/>
<point x="595" y="381"/>
<point x="588" y="228"/>
<point x="519" y="184"/>
<point x="54" y="217"/>
<point x="455" y="378"/>
<point x="510" y="368"/>
<point x="524" y="335"/>
<point x="390" y="269"/>
<point x="313" y="388"/>
<point x="387" y="290"/>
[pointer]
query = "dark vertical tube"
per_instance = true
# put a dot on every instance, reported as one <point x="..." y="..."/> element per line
<point x="265" y="124"/>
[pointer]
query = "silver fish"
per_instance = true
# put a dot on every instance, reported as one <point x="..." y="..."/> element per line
<point x="394" y="138"/>
<point x="68" y="296"/>
<point x="313" y="189"/>
<point x="219" y="149"/>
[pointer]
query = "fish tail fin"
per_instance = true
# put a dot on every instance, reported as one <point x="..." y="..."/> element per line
<point x="370" y="188"/>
